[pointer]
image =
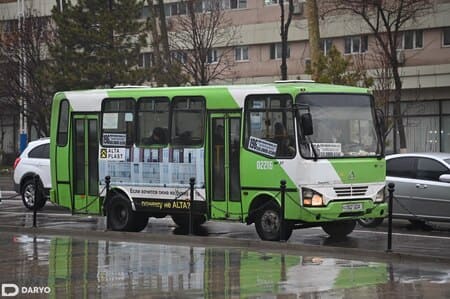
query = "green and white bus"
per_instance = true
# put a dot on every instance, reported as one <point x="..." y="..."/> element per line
<point x="238" y="142"/>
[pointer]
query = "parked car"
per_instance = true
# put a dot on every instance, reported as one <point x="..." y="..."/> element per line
<point x="422" y="187"/>
<point x="34" y="160"/>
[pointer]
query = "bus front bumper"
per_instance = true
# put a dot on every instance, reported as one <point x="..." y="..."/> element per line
<point x="342" y="210"/>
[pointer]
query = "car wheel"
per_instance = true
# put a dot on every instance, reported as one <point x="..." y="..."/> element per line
<point x="370" y="222"/>
<point x="28" y="195"/>
<point x="339" y="229"/>
<point x="120" y="215"/>
<point x="268" y="224"/>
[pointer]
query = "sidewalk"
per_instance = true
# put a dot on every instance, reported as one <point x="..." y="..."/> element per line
<point x="6" y="182"/>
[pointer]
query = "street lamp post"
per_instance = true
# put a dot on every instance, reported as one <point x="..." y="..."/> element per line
<point x="23" y="122"/>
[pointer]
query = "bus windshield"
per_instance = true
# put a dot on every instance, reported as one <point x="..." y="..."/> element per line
<point x="343" y="126"/>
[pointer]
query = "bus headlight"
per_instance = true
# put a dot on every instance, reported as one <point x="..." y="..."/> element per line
<point x="311" y="198"/>
<point x="380" y="195"/>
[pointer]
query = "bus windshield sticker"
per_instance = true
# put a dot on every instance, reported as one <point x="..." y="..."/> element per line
<point x="112" y="153"/>
<point x="262" y="146"/>
<point x="110" y="120"/>
<point x="329" y="149"/>
<point x="114" y="139"/>
<point x="128" y="117"/>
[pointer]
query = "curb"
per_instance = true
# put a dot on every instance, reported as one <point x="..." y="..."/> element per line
<point x="256" y="245"/>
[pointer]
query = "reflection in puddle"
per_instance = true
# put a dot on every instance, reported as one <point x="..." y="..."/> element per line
<point x="83" y="268"/>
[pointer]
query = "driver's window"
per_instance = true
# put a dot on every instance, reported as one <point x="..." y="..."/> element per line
<point x="270" y="125"/>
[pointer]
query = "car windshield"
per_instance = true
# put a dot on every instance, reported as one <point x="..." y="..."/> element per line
<point x="447" y="161"/>
<point x="343" y="126"/>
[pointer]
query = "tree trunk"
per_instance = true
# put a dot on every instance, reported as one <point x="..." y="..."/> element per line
<point x="155" y="32"/>
<point x="164" y="37"/>
<point x="397" y="109"/>
<point x="314" y="36"/>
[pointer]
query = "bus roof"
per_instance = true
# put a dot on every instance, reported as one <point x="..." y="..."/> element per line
<point x="218" y="96"/>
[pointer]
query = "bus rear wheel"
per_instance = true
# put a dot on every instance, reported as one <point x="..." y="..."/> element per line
<point x="268" y="224"/>
<point x="339" y="229"/>
<point x="121" y="216"/>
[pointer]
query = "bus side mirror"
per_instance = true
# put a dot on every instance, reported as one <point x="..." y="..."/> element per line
<point x="307" y="125"/>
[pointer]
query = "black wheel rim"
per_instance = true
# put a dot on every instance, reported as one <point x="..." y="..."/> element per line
<point x="28" y="195"/>
<point x="270" y="222"/>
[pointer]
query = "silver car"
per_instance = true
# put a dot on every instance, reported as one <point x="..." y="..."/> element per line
<point x="422" y="187"/>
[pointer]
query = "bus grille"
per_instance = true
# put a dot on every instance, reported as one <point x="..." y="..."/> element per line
<point x="351" y="191"/>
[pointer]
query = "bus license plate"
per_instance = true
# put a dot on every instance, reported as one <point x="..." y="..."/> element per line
<point x="352" y="207"/>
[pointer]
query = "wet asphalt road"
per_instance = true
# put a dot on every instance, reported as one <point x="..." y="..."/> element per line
<point x="73" y="256"/>
<point x="407" y="240"/>
<point x="71" y="267"/>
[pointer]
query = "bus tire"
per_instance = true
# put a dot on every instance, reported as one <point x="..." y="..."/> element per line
<point x="182" y="220"/>
<point x="268" y="224"/>
<point x="141" y="221"/>
<point x="120" y="215"/>
<point x="339" y="229"/>
<point x="28" y="196"/>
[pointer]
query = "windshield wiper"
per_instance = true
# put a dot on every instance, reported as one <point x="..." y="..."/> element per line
<point x="306" y="141"/>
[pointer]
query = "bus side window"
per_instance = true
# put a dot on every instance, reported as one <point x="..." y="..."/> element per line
<point x="152" y="121"/>
<point x="188" y="121"/>
<point x="63" y="123"/>
<point x="269" y="118"/>
<point x="118" y="122"/>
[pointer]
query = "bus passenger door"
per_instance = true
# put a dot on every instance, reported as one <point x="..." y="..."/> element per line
<point x="85" y="199"/>
<point x="224" y="148"/>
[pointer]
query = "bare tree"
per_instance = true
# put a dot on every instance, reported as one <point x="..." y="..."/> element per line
<point x="165" y="70"/>
<point x="204" y="39"/>
<point x="23" y="75"/>
<point x="284" y="31"/>
<point x="386" y="20"/>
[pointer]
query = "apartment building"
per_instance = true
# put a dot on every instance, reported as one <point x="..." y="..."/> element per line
<point x="424" y="53"/>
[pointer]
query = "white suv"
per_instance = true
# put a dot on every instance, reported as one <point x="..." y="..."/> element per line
<point x="34" y="160"/>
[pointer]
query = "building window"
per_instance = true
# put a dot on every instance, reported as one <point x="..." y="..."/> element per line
<point x="179" y="56"/>
<point x="212" y="56"/>
<point x="446" y="37"/>
<point x="175" y="9"/>
<point x="325" y="45"/>
<point x="241" y="53"/>
<point x="234" y="4"/>
<point x="355" y="44"/>
<point x="276" y="53"/>
<point x="146" y="60"/>
<point x="412" y="39"/>
<point x="270" y="2"/>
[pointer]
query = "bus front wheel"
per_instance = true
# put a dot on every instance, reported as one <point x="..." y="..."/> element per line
<point x="339" y="229"/>
<point x="121" y="216"/>
<point x="268" y="224"/>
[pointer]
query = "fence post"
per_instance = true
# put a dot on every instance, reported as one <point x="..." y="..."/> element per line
<point x="36" y="198"/>
<point x="283" y="197"/>
<point x="191" y="197"/>
<point x="391" y="198"/>
<point x="105" y="206"/>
